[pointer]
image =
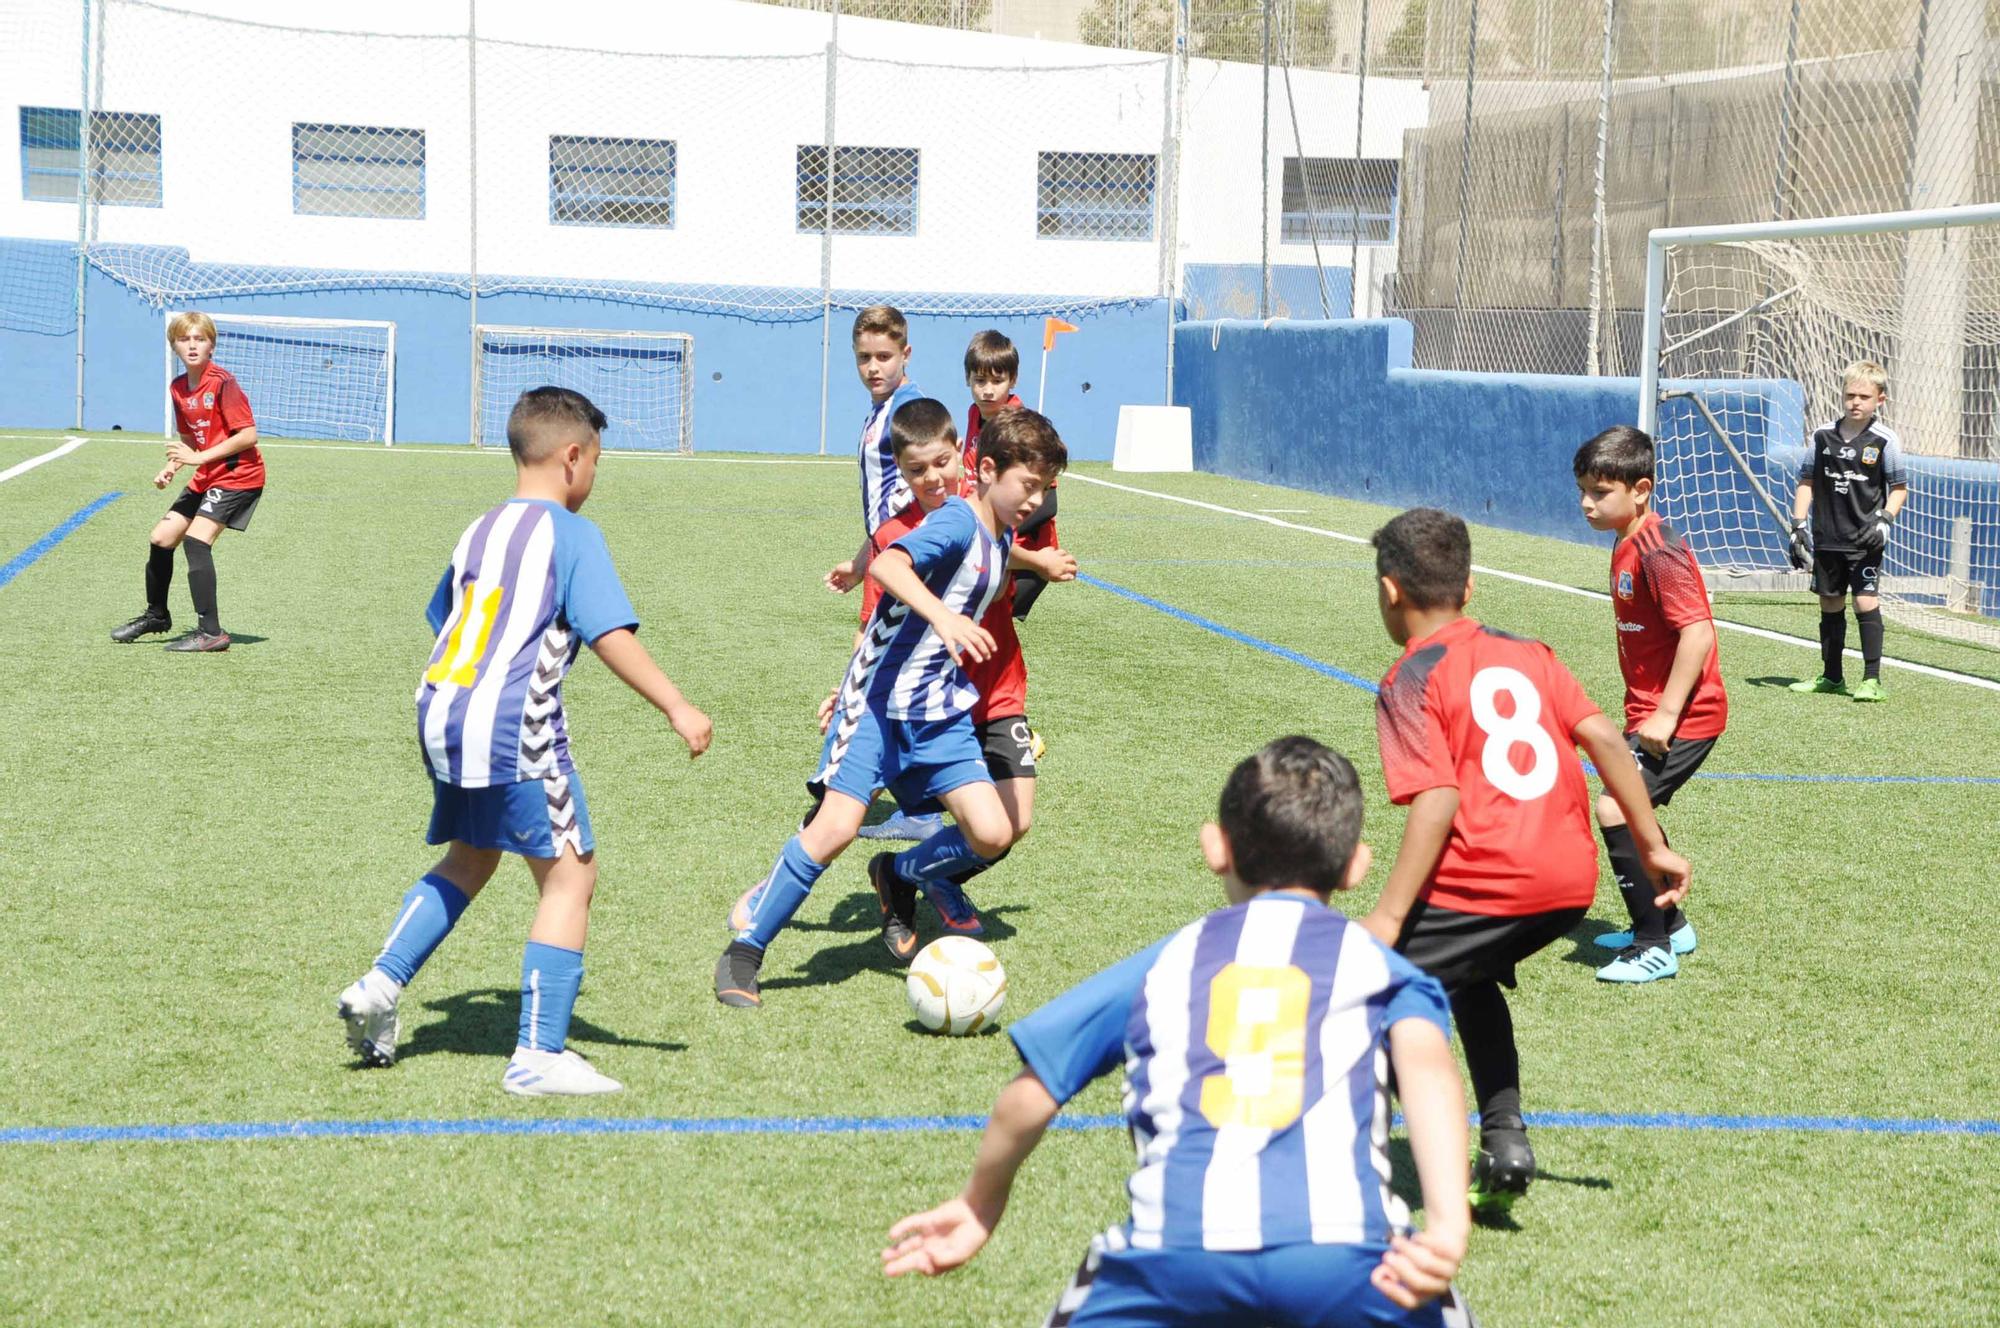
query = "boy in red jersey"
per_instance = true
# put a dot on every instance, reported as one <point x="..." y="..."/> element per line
<point x="1675" y="707"/>
<point x="1479" y="732"/>
<point x="992" y="367"/>
<point x="219" y="439"/>
<point x="929" y="461"/>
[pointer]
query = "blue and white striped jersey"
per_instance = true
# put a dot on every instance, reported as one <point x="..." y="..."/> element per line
<point x="883" y="491"/>
<point x="901" y="669"/>
<point x="529" y="583"/>
<point x="1256" y="1057"/>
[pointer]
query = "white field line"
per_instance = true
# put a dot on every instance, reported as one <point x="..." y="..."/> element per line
<point x="23" y="467"/>
<point x="1765" y="633"/>
<point x="366" y="449"/>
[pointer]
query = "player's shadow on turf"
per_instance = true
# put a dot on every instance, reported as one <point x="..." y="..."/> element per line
<point x="236" y="639"/>
<point x="1403" y="1179"/>
<point x="1584" y="948"/>
<point x="1772" y="680"/>
<point x="859" y="915"/>
<point x="486" y="1023"/>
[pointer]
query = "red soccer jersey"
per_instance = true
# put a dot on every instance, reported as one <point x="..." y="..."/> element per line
<point x="208" y="412"/>
<point x="1042" y="536"/>
<point x="1492" y="715"/>
<point x="1002" y="680"/>
<point x="1656" y="590"/>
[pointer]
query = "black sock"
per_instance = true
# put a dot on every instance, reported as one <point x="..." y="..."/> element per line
<point x="1486" y="1031"/>
<point x="959" y="878"/>
<point x="1871" y="642"/>
<point x="159" y="578"/>
<point x="1649" y="923"/>
<point x="1832" y="640"/>
<point x="201" y="584"/>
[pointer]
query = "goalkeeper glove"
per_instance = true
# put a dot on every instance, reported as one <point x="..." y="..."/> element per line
<point x="1800" y="558"/>
<point x="1876" y="534"/>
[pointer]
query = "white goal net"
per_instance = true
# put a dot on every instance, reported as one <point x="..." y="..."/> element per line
<point x="308" y="377"/>
<point x="1748" y="329"/>
<point x="642" y="381"/>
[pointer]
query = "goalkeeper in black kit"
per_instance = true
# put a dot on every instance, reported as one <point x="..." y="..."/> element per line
<point x="1852" y="486"/>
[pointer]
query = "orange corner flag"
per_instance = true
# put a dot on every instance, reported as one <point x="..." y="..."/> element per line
<point x="1051" y="327"/>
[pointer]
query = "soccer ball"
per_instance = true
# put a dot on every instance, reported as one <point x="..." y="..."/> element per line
<point x="956" y="986"/>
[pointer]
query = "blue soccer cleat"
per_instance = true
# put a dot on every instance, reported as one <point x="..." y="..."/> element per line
<point x="900" y="826"/>
<point x="1636" y="965"/>
<point x="1681" y="938"/>
<point x="954" y="910"/>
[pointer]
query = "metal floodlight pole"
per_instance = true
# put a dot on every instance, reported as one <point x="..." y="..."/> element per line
<point x="826" y="225"/>
<point x="82" y="203"/>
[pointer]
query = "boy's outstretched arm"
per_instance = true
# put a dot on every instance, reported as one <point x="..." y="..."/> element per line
<point x="1424" y="836"/>
<point x="1417" y="1268"/>
<point x="1606" y="748"/>
<point x="897" y="575"/>
<point x="623" y="655"/>
<point x="946" y="1236"/>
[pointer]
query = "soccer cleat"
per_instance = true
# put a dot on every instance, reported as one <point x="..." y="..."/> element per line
<point x="736" y="976"/>
<point x="954" y="909"/>
<point x="369" y="1010"/>
<point x="1869" y="689"/>
<point x="554" y="1074"/>
<point x="898" y="899"/>
<point x="1036" y="747"/>
<point x="1636" y="965"/>
<point x="200" y="642"/>
<point x="146" y="624"/>
<point x="743" y="914"/>
<point x="1682" y="939"/>
<point x="900" y="826"/>
<point x="1822" y="684"/>
<point x="1501" y="1171"/>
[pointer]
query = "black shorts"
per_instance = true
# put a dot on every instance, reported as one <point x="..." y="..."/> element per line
<point x="1836" y="573"/>
<point x="1462" y="949"/>
<point x="230" y="507"/>
<point x="1664" y="775"/>
<point x="1008" y="744"/>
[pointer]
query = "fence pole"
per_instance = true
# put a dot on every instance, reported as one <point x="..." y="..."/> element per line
<point x="1592" y="362"/>
<point x="472" y="221"/>
<point x="1355" y="309"/>
<point x="1170" y="203"/>
<point x="82" y="202"/>
<point x="826" y="225"/>
<point x="1781" y="182"/>
<point x="1264" y="211"/>
<point x="1464" y="183"/>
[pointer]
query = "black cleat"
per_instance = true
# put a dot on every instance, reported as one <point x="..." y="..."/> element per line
<point x="898" y="899"/>
<point x="736" y="976"/>
<point x="146" y="624"/>
<point x="200" y="642"/>
<point x="1502" y="1170"/>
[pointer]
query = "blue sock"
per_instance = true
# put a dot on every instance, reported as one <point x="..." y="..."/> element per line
<point x="429" y="912"/>
<point x="943" y="856"/>
<point x="550" y="976"/>
<point x="790" y="881"/>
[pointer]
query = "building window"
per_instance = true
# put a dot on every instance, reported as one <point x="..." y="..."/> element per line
<point x="124" y="156"/>
<point x="357" y="171"/>
<point x="874" y="190"/>
<point x="1325" y="193"/>
<point x="1094" y="195"/>
<point x="611" y="181"/>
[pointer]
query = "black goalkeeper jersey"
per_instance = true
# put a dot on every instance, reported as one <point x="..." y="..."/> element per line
<point x="1851" y="479"/>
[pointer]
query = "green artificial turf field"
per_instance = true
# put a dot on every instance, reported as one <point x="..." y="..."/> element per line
<point x="204" y="850"/>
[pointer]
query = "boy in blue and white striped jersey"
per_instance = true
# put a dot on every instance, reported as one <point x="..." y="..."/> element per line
<point x="902" y="719"/>
<point x="530" y="583"/>
<point x="1257" y="1044"/>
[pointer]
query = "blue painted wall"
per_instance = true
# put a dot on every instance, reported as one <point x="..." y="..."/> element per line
<point x="757" y="385"/>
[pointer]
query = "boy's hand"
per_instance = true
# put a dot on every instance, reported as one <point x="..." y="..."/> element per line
<point x="694" y="727"/>
<point x="1418" y="1268"/>
<point x="180" y="454"/>
<point x="1055" y="564"/>
<point x="935" y="1242"/>
<point x="843" y="577"/>
<point x="826" y="710"/>
<point x="1657" y="732"/>
<point x="965" y="638"/>
<point x="1382" y="927"/>
<point x="1671" y="872"/>
<point x="165" y="477"/>
<point x="1875" y="535"/>
<point x="1801" y="558"/>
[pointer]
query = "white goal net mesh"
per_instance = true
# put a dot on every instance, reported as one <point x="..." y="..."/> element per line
<point x="1760" y="332"/>
<point x="308" y="377"/>
<point x="642" y="381"/>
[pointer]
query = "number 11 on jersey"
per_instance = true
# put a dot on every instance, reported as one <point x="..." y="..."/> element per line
<point x="481" y="611"/>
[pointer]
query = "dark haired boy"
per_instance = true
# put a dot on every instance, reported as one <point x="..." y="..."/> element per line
<point x="992" y="367"/>
<point x="529" y="584"/>
<point x="1675" y="705"/>
<point x="903" y="717"/>
<point x="1256" y="1044"/>
<point x="1479" y="732"/>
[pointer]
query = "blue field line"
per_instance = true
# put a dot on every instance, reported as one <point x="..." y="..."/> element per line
<point x="27" y="557"/>
<point x="258" y="1131"/>
<point x="1356" y="681"/>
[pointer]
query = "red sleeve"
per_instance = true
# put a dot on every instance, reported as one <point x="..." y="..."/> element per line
<point x="1568" y="702"/>
<point x="1676" y="586"/>
<point x="234" y="408"/>
<point x="1416" y="755"/>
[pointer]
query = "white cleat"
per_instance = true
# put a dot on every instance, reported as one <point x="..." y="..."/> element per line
<point x="554" y="1074"/>
<point x="369" y="1010"/>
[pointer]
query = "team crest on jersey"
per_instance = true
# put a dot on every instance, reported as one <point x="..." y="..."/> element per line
<point x="208" y="401"/>
<point x="1868" y="455"/>
<point x="1624" y="585"/>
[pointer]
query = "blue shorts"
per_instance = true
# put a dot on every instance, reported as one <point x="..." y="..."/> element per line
<point x="1287" y="1286"/>
<point x="917" y="760"/>
<point x="536" y="818"/>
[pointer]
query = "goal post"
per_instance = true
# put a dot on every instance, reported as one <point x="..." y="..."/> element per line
<point x="324" y="378"/>
<point x="1746" y="331"/>
<point x="642" y="381"/>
